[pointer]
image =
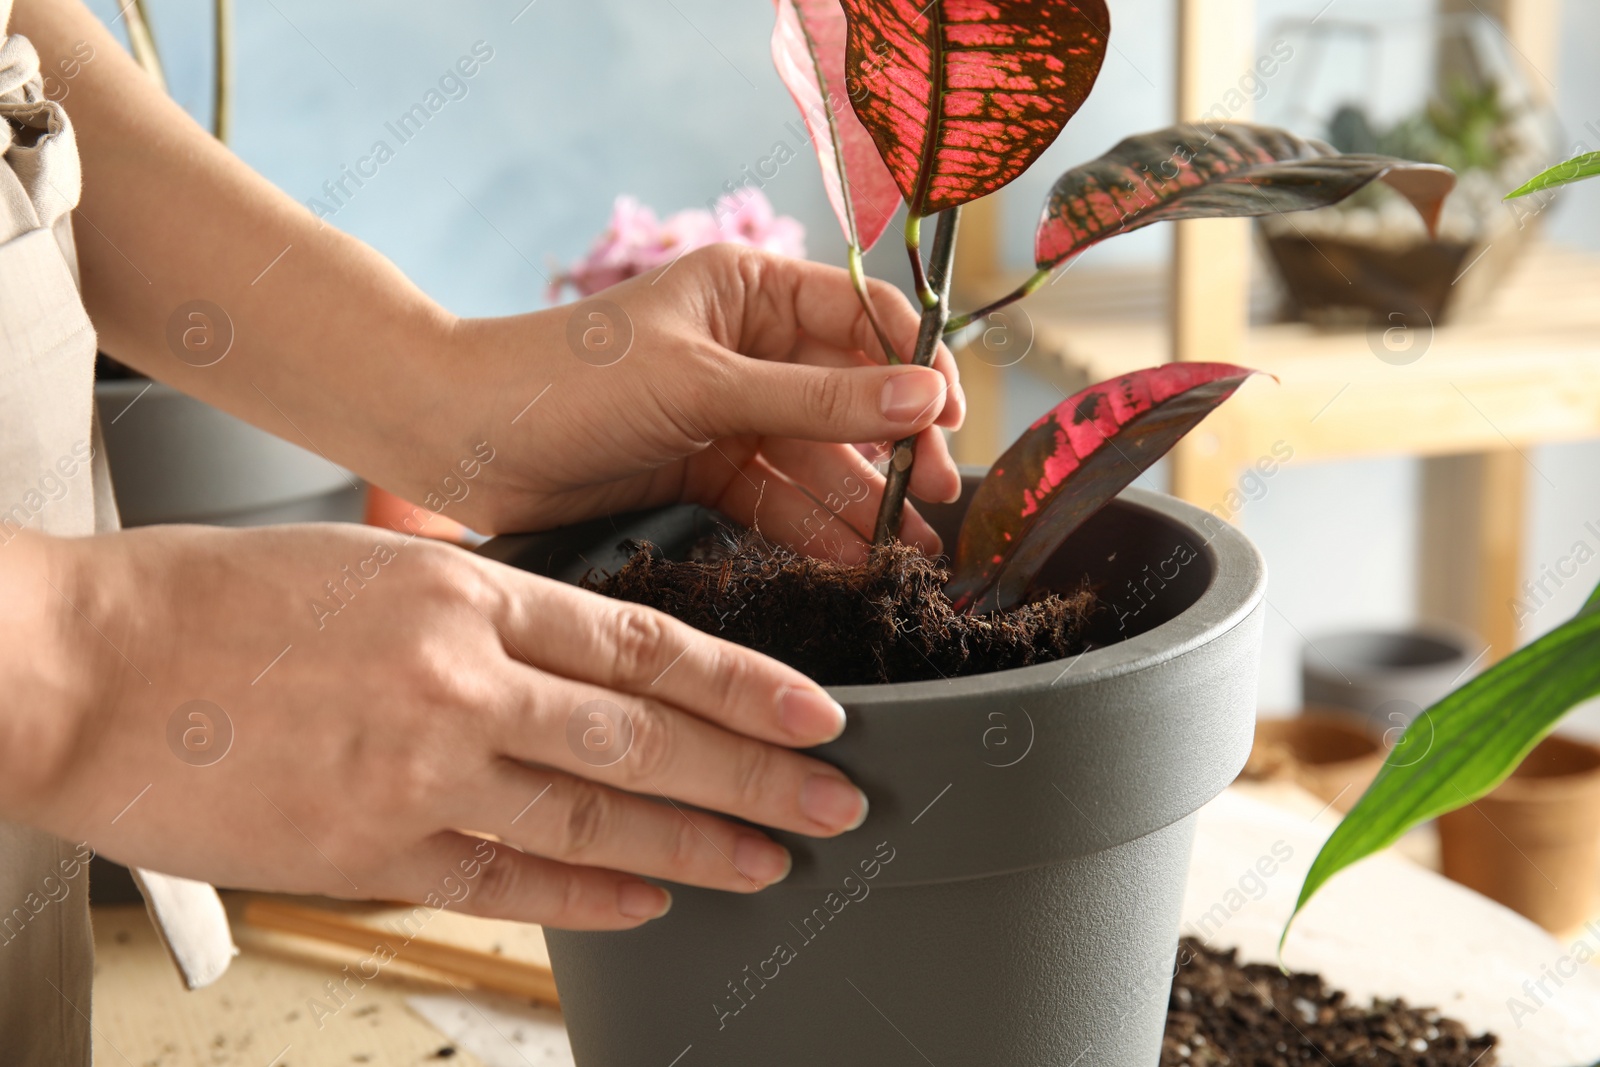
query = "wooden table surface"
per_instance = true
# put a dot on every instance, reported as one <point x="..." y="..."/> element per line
<point x="257" y="1015"/>
<point x="1388" y="927"/>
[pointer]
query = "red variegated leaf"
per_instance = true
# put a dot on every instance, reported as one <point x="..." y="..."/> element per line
<point x="808" y="50"/>
<point x="1216" y="170"/>
<point x="1068" y="465"/>
<point x="962" y="96"/>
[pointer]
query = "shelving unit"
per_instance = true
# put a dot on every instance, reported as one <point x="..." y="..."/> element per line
<point x="1522" y="370"/>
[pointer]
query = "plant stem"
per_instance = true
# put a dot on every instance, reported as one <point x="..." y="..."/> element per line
<point x="142" y="43"/>
<point x="928" y="338"/>
<point x="222" y="88"/>
<point x="858" y="278"/>
<point x="1035" y="280"/>
<point x="919" y="276"/>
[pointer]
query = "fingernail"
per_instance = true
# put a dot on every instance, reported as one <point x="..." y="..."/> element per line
<point x="909" y="395"/>
<point x="833" y="803"/>
<point x="762" y="861"/>
<point x="810" y="716"/>
<point x="641" y="900"/>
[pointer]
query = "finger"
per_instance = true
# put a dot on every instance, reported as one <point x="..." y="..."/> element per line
<point x="874" y="451"/>
<point x="766" y="500"/>
<point x="955" y="408"/>
<point x="499" y="882"/>
<point x="883" y="294"/>
<point x="658" y="750"/>
<point x="627" y="648"/>
<point x="815" y="403"/>
<point x="817" y="354"/>
<point x="786" y="298"/>
<point x="789" y="301"/>
<point x="845" y="484"/>
<point x="578" y="822"/>
<point x="935" y="476"/>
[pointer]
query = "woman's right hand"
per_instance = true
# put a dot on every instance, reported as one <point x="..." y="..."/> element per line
<point x="375" y="706"/>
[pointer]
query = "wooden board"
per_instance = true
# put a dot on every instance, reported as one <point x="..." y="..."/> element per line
<point x="443" y="951"/>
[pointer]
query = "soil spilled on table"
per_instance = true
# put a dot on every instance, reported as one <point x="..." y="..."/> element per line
<point x="884" y="620"/>
<point x="1226" y="1014"/>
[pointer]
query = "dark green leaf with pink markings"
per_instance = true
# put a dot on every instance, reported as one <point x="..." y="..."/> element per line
<point x="961" y="96"/>
<point x="1067" y="466"/>
<point x="1217" y="170"/>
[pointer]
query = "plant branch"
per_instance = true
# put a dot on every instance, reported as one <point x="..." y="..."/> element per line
<point x="919" y="276"/>
<point x="1027" y="288"/>
<point x="928" y="338"/>
<point x="222" y="87"/>
<point x="858" y="278"/>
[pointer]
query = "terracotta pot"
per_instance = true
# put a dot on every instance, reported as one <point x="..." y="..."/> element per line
<point x="1534" y="843"/>
<point x="1326" y="754"/>
<point x="395" y="513"/>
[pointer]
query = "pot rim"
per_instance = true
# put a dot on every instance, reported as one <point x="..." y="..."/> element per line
<point x="119" y="387"/>
<point x="1238" y="584"/>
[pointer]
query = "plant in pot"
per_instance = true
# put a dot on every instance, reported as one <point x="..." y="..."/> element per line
<point x="1446" y="88"/>
<point x="1494" y="728"/>
<point x="1034" y="763"/>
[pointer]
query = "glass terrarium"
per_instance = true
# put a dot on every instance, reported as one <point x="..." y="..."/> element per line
<point x="1445" y="89"/>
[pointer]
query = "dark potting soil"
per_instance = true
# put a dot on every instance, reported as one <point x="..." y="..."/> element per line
<point x="1226" y="1014"/>
<point x="884" y="620"/>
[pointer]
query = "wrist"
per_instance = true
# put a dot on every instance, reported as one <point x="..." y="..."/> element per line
<point x="46" y="668"/>
<point x="494" y="371"/>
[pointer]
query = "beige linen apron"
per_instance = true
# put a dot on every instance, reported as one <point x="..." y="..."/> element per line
<point x="53" y="478"/>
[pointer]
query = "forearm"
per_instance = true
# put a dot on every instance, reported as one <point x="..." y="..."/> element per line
<point x="331" y="343"/>
<point x="48" y="681"/>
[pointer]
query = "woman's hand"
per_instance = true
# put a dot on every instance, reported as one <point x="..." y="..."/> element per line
<point x="732" y="378"/>
<point x="746" y="378"/>
<point x="369" y="704"/>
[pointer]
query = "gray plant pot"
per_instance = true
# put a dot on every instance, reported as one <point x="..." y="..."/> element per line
<point x="1013" y="898"/>
<point x="1384" y="678"/>
<point x="177" y="459"/>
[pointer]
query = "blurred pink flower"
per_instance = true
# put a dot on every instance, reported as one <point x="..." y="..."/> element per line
<point x="636" y="241"/>
<point x="748" y="219"/>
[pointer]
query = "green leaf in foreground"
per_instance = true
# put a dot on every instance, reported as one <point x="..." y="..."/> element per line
<point x="1575" y="169"/>
<point x="1468" y="743"/>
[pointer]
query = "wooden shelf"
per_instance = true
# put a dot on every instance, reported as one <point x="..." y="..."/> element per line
<point x="1524" y="371"/>
<point x="1521" y="371"/>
